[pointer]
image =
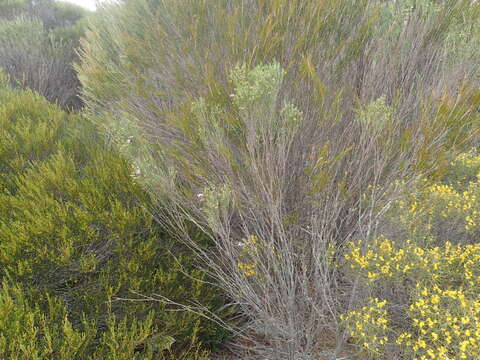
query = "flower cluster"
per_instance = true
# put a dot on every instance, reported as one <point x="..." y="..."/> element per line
<point x="454" y="201"/>
<point x="368" y="325"/>
<point x="247" y="269"/>
<point x="254" y="254"/>
<point x="436" y="271"/>
<point x="446" y="324"/>
<point x="442" y="312"/>
<point x="250" y="249"/>
<point x="449" y="264"/>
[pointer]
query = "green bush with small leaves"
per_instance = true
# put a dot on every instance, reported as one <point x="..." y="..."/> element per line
<point x="76" y="243"/>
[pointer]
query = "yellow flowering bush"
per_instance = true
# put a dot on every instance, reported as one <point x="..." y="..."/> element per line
<point x="435" y="313"/>
<point x="424" y="292"/>
<point x="446" y="324"/>
<point x="449" y="209"/>
<point x="368" y="325"/>
<point x="449" y="264"/>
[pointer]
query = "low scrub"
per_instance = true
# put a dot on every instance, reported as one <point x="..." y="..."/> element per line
<point x="76" y="243"/>
<point x="37" y="47"/>
<point x="421" y="291"/>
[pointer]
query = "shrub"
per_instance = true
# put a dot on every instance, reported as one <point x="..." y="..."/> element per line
<point x="430" y="306"/>
<point x="446" y="210"/>
<point x="73" y="230"/>
<point x="33" y="329"/>
<point x="37" y="48"/>
<point x="424" y="284"/>
<point x="254" y="119"/>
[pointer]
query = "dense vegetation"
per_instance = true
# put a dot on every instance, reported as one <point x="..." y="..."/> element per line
<point x="288" y="180"/>
<point x="75" y="241"/>
<point x="38" y="41"/>
<point x="285" y="130"/>
<point x="424" y="284"/>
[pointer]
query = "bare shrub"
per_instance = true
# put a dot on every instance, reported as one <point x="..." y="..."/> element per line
<point x="280" y="129"/>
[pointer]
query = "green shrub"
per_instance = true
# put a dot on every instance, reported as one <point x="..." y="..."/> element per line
<point x="40" y="329"/>
<point x="73" y="229"/>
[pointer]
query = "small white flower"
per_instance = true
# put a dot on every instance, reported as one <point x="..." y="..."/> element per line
<point x="137" y="172"/>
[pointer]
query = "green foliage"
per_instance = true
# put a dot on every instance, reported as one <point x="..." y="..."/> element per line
<point x="40" y="329"/>
<point x="334" y="51"/>
<point x="376" y="115"/>
<point x="73" y="230"/>
<point x="68" y="14"/>
<point x="256" y="97"/>
<point x="253" y="121"/>
<point x="245" y="32"/>
<point x="11" y="8"/>
<point x="28" y="331"/>
<point x="21" y="32"/>
<point x="69" y="24"/>
<point x="459" y="28"/>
